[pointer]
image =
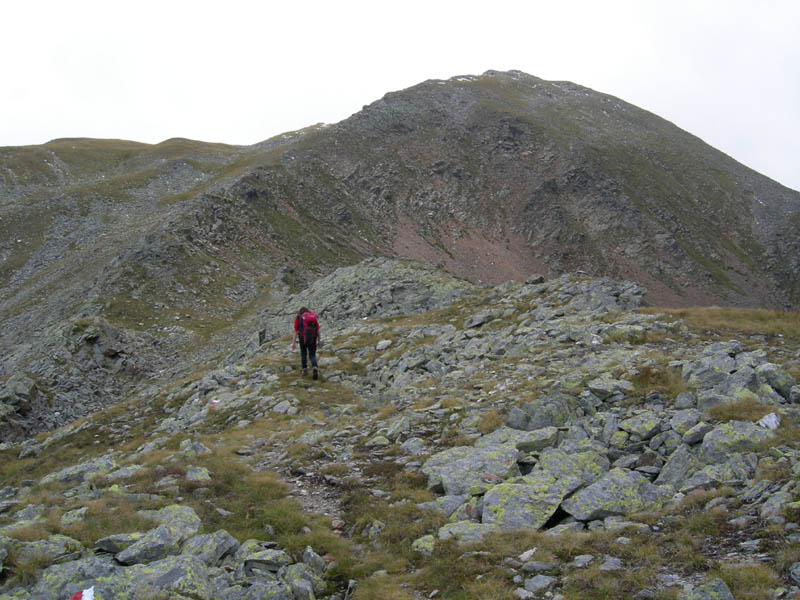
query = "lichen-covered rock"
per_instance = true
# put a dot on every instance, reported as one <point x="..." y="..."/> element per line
<point x="618" y="492"/>
<point x="467" y="470"/>
<point x="525" y="441"/>
<point x="643" y="426"/>
<point x="211" y="547"/>
<point x="551" y="410"/>
<point x="181" y="518"/>
<point x="54" y="580"/>
<point x="446" y="505"/>
<point x="424" y="545"/>
<point x="711" y="590"/>
<point x="300" y="578"/>
<point x="154" y="545"/>
<point x="313" y="560"/>
<point x="683" y="420"/>
<point x="83" y="471"/>
<point x="270" y="561"/>
<point x="198" y="474"/>
<point x="586" y="466"/>
<point x="465" y="532"/>
<point x="55" y="549"/>
<point x="526" y="502"/>
<point x="187" y="576"/>
<point x="776" y="378"/>
<point x="117" y="542"/>
<point x="679" y="466"/>
<point x="734" y="436"/>
<point x="606" y="386"/>
<point x="737" y="469"/>
<point x="191" y="449"/>
<point x="73" y="517"/>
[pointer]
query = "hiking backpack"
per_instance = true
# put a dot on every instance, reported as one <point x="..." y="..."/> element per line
<point x="308" y="327"/>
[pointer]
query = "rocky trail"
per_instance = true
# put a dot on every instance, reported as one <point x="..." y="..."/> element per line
<point x="539" y="439"/>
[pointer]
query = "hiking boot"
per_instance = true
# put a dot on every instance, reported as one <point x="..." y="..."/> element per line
<point x="304" y="373"/>
<point x="315" y="373"/>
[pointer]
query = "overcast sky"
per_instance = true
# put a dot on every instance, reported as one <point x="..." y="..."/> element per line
<point x="240" y="72"/>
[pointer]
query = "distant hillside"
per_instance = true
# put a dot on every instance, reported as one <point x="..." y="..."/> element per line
<point x="169" y="253"/>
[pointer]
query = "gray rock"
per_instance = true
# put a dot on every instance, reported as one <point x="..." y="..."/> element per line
<point x="302" y="579"/>
<point x="644" y="425"/>
<point x="154" y="545"/>
<point x="680" y="466"/>
<point x="611" y="563"/>
<point x="586" y="466"/>
<point x="776" y="378"/>
<point x="269" y="561"/>
<point x="117" y="542"/>
<point x="55" y="579"/>
<point x="198" y="474"/>
<point x="685" y="400"/>
<point x="695" y="435"/>
<point x="552" y="410"/>
<point x="467" y="470"/>
<point x="618" y="492"/>
<point x="82" y="472"/>
<point x="527" y="502"/>
<point x="684" y="420"/>
<point x="211" y="547"/>
<point x="313" y="560"/>
<point x="711" y="590"/>
<point x="581" y="561"/>
<point x="465" y="532"/>
<point x="606" y="386"/>
<point x="525" y="441"/>
<point x="540" y="583"/>
<point x="735" y="436"/>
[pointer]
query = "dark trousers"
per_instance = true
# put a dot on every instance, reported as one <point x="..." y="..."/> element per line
<point x="308" y="351"/>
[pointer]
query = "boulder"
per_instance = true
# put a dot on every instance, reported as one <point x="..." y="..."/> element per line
<point x="734" y="436"/>
<point x="527" y="502"/>
<point x="266" y="561"/>
<point x="55" y="579"/>
<point x="424" y="545"/>
<point x="525" y="441"/>
<point x="618" y="492"/>
<point x="552" y="410"/>
<point x="55" y="549"/>
<point x="82" y="472"/>
<point x="467" y="470"/>
<point x="643" y="426"/>
<point x="606" y="386"/>
<point x="586" y="466"/>
<point x="154" y="545"/>
<point x="683" y="420"/>
<point x="465" y="532"/>
<point x="211" y="547"/>
<point x="711" y="590"/>
<point x="776" y="378"/>
<point x="680" y="465"/>
<point x="117" y="542"/>
<point x="737" y="469"/>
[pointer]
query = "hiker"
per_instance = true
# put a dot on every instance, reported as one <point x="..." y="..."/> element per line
<point x="306" y="329"/>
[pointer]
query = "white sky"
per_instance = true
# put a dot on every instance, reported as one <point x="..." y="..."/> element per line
<point x="240" y="72"/>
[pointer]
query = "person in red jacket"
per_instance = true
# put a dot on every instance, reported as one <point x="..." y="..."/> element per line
<point x="306" y="331"/>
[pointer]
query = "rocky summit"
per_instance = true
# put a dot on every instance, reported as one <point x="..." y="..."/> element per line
<point x="539" y="439"/>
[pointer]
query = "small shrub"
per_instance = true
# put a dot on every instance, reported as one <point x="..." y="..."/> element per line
<point x="665" y="380"/>
<point x="770" y="469"/>
<point x="490" y="421"/>
<point x="747" y="409"/>
<point x="749" y="581"/>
